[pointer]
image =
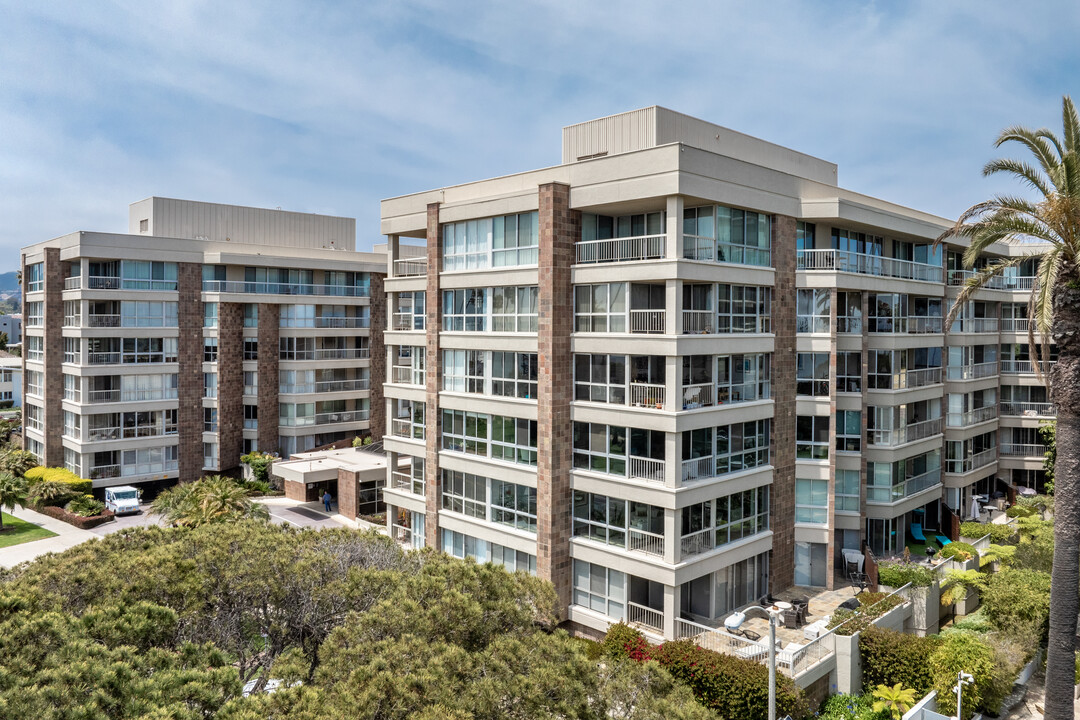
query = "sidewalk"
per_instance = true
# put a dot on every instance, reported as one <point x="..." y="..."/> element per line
<point x="311" y="514"/>
<point x="66" y="536"/>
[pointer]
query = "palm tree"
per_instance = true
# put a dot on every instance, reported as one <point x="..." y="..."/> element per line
<point x="210" y="499"/>
<point x="12" y="492"/>
<point x="1050" y="227"/>
<point x="896" y="699"/>
<point x="958" y="583"/>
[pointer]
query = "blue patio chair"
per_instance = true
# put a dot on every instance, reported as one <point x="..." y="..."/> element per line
<point x="916" y="532"/>
<point x="943" y="540"/>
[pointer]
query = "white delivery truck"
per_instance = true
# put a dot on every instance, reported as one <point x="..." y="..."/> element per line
<point x="122" y="499"/>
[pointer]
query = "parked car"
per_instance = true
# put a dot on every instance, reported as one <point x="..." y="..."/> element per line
<point x="122" y="499"/>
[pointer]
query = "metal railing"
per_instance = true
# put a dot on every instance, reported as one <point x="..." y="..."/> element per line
<point x="906" y="434"/>
<point x="697" y="468"/>
<point x="645" y="542"/>
<point x="406" y="321"/>
<point x="407" y="375"/>
<point x="976" y="461"/>
<point x="332" y="418"/>
<point x="648" y="321"/>
<point x="103" y="358"/>
<point x="976" y="325"/>
<point x="1034" y="450"/>
<point x="911" y="486"/>
<point x="404" y="428"/>
<point x="697" y="396"/>
<point x="697" y="542"/>
<point x="646" y="469"/>
<point x="646" y="616"/>
<point x="1023" y="367"/>
<point x="104" y="282"/>
<point x="697" y="322"/>
<point x="1014" y="325"/>
<point x="73" y="283"/>
<point x="972" y="372"/>
<point x="405" y="481"/>
<point x="342" y="322"/>
<point x="642" y="395"/>
<point x="410" y="267"/>
<point x="102" y="396"/>
<point x="911" y="325"/>
<point x="642" y="247"/>
<point x="107" y="321"/>
<point x="105" y="471"/>
<point x="324" y="386"/>
<point x="847" y="261"/>
<point x="1000" y="282"/>
<point x="972" y="417"/>
<point x="328" y="354"/>
<point x="1028" y="409"/>
<point x="272" y="288"/>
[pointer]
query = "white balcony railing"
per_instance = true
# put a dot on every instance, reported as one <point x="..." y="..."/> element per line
<point x="406" y="375"/>
<point x="906" y="434"/>
<point x="1030" y="450"/>
<point x="103" y="321"/>
<point x="104" y="282"/>
<point x="343" y="322"/>
<point x="1028" y="409"/>
<point x="846" y="261"/>
<point x="73" y="283"/>
<point x="410" y="267"/>
<point x="642" y="395"/>
<point x="696" y="468"/>
<point x="976" y="325"/>
<point x="407" y="321"/>
<point x="1019" y="325"/>
<point x="642" y="247"/>
<point x="102" y="396"/>
<point x="697" y="322"/>
<point x="698" y="542"/>
<point x="103" y="358"/>
<point x="272" y="288"/>
<point x="1023" y="367"/>
<point x="972" y="372"/>
<point x="697" y="396"/>
<point x="900" y="491"/>
<point x="647" y="321"/>
<point x="646" y="469"/>
<point x="972" y="417"/>
<point x="404" y="428"/>
<point x="646" y="616"/>
<point x="645" y="542"/>
<point x="976" y="461"/>
<point x="333" y="418"/>
<point x="1001" y="282"/>
<point x="699" y="247"/>
<point x="405" y="481"/>
<point x="329" y="354"/>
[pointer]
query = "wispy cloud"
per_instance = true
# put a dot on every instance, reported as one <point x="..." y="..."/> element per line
<point x="328" y="107"/>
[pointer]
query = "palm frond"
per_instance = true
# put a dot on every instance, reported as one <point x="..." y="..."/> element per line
<point x="977" y="282"/>
<point x="1041" y="309"/>
<point x="1030" y="139"/>
<point x="1025" y="171"/>
<point x="1071" y="123"/>
<point x="1050" y="137"/>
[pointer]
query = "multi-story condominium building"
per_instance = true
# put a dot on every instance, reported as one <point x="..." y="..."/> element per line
<point x="11" y="325"/>
<point x="205" y="332"/>
<point x="10" y="380"/>
<point x="684" y="367"/>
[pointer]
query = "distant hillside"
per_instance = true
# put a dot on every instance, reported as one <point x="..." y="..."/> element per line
<point x="9" y="282"/>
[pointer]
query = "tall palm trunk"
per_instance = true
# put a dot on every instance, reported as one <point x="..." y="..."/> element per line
<point x="1065" y="579"/>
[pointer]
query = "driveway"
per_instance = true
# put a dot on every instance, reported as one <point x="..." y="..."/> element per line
<point x="143" y="517"/>
<point x="308" y="515"/>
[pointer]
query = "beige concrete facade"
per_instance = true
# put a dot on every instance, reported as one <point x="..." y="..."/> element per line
<point x="651" y="477"/>
<point x="158" y="357"/>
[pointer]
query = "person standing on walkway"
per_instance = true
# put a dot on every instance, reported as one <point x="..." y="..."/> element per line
<point x="326" y="500"/>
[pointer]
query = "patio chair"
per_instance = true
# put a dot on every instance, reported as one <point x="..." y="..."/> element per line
<point x="791" y="619"/>
<point x="917" y="533"/>
<point x="942" y="540"/>
<point x="851" y="604"/>
<point x="751" y="635"/>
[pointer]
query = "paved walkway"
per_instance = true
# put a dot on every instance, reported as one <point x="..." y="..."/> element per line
<point x="310" y="515"/>
<point x="66" y="536"/>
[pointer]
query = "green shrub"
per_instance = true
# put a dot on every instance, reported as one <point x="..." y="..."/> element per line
<point x="257" y="487"/>
<point x="85" y="506"/>
<point x="999" y="534"/>
<point x="975" y="622"/>
<point x="959" y="551"/>
<point x="730" y="686"/>
<point x="890" y="657"/>
<point x="899" y="574"/>
<point x="873" y="606"/>
<point x="357" y="442"/>
<point x="1016" y="602"/>
<point x="1019" y="511"/>
<point x="77" y="484"/>
<point x="850" y="707"/>
<point x="49" y="492"/>
<point x="968" y="653"/>
<point x="623" y="641"/>
<point x="260" y="465"/>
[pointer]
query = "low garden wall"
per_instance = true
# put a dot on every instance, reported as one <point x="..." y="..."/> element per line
<point x="84" y="523"/>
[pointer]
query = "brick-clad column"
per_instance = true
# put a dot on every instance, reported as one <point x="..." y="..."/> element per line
<point x="190" y="380"/>
<point x="269" y="319"/>
<point x="559" y="228"/>
<point x="377" y="370"/>
<point x="346" y="492"/>
<point x="782" y="561"/>
<point x="53" y="385"/>
<point x="433" y="421"/>
<point x="830" y="549"/>
<point x="230" y="384"/>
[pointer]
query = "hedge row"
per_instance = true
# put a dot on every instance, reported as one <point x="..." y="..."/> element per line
<point x="899" y="574"/>
<point x="732" y="687"/>
<point x="78" y="485"/>
<point x="999" y="534"/>
<point x="84" y="523"/>
<point x="873" y="606"/>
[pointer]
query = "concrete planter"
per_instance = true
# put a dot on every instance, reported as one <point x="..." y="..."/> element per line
<point x="925" y="609"/>
<point x="848" y="664"/>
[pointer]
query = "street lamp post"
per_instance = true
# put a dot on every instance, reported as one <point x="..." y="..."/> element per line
<point x="773" y="613"/>
<point x="962" y="679"/>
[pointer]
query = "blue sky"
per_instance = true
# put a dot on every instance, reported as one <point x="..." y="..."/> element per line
<point x="329" y="107"/>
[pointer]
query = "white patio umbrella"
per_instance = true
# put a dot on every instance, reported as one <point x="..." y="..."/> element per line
<point x="974" y="509"/>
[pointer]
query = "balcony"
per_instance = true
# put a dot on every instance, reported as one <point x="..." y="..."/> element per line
<point x="404" y="428"/>
<point x="103" y="321"/>
<point x="1026" y="450"/>
<point x="1023" y="367"/>
<point x="901" y="491"/>
<point x="697" y="396"/>
<point x="1018" y="325"/>
<point x="973" y="417"/>
<point x="348" y="416"/>
<point x="697" y="247"/>
<point x="329" y="354"/>
<point x="104" y="471"/>
<point x="698" y="542"/>
<point x="406" y="375"/>
<point x="697" y="322"/>
<point x="1028" y="409"/>
<point x="269" y="288"/>
<point x="642" y="247"/>
<point x="912" y="325"/>
<point x="651" y="396"/>
<point x="105" y="282"/>
<point x="1001" y="282"/>
<point x="976" y="325"/>
<point x="647" y="469"/>
<point x="852" y="262"/>
<point x="73" y="283"/>
<point x="972" y="372"/>
<point x="648" y="321"/>
<point x="405" y="481"/>
<point x="410" y="267"/>
<point x="697" y="468"/>
<point x="342" y="322"/>
<point x="919" y="377"/>
<point x="103" y="358"/>
<point x="646" y="542"/>
<point x="326" y="386"/>
<point x="407" y="322"/>
<point x="906" y="434"/>
<point x="645" y="616"/>
<point x="976" y="461"/>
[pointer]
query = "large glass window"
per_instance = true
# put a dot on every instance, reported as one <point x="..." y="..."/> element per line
<point x="849" y="312"/>
<point x="460" y="545"/>
<point x="464" y="493"/>
<point x="848" y="372"/>
<point x="503" y="241"/>
<point x="35" y="314"/>
<point x="599" y="589"/>
<point x="811" y="501"/>
<point x="847" y="491"/>
<point x="848" y="430"/>
<point x="812" y="310"/>
<point x="500" y="438"/>
<point x="514" y="309"/>
<point x="812" y="374"/>
<point x="148" y="350"/>
<point x="147" y="275"/>
<point x="614" y="521"/>
<point x="600" y="448"/>
<point x="514" y="374"/>
<point x="812" y="437"/>
<point x="35" y="277"/>
<point x="600" y="378"/>
<point x="727" y="235"/>
<point x="465" y="310"/>
<point x="147" y="314"/>
<point x="744" y="309"/>
<point x="463" y="370"/>
<point x="600" y="308"/>
<point x="742" y="378"/>
<point x="299" y="316"/>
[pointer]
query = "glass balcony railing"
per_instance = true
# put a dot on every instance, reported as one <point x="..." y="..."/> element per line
<point x="270" y="288"/>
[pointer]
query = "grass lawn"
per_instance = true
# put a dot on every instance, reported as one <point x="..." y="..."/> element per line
<point x="18" y="531"/>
